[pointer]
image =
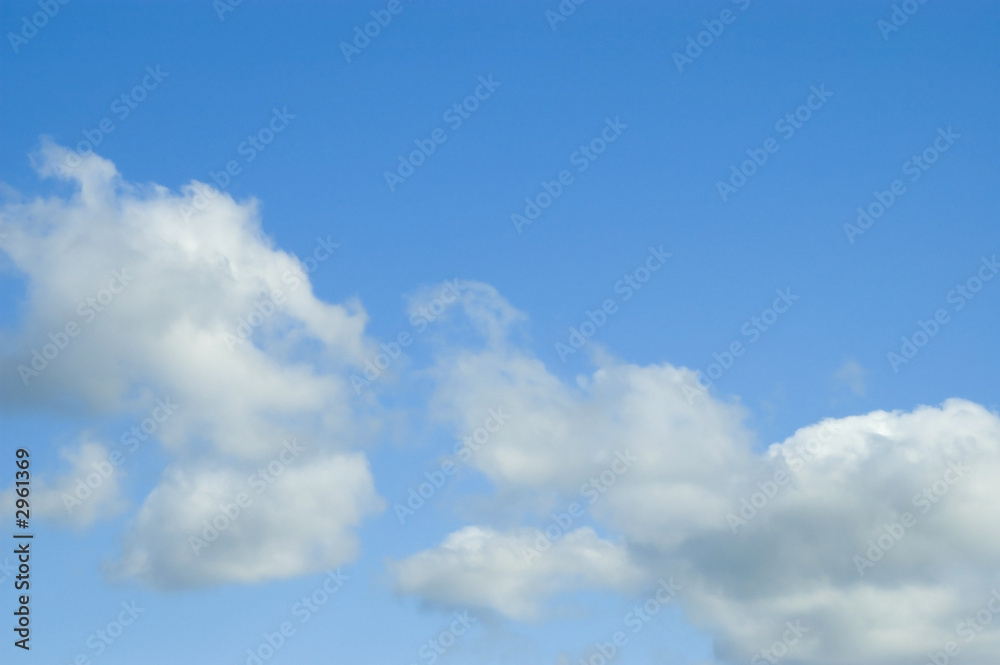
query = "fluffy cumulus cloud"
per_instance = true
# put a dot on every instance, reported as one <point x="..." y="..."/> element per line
<point x="856" y="540"/>
<point x="137" y="296"/>
<point x="504" y="571"/>
<point x="153" y="287"/>
<point x="205" y="526"/>
<point x="862" y="539"/>
<point x="877" y="541"/>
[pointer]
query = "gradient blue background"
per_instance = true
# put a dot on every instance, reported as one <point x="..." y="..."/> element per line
<point x="655" y="185"/>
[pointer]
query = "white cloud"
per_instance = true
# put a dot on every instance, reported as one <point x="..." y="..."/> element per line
<point x="793" y="560"/>
<point x="169" y="278"/>
<point x="186" y="277"/>
<point x="192" y="277"/>
<point x="483" y="568"/>
<point x="209" y="526"/>
<point x="559" y="435"/>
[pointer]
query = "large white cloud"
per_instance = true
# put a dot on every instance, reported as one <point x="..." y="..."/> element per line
<point x="919" y="486"/>
<point x="874" y="532"/>
<point x="812" y="504"/>
<point x="134" y="294"/>
<point x="187" y="268"/>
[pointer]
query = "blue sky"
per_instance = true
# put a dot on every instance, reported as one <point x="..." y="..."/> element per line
<point x="338" y="124"/>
